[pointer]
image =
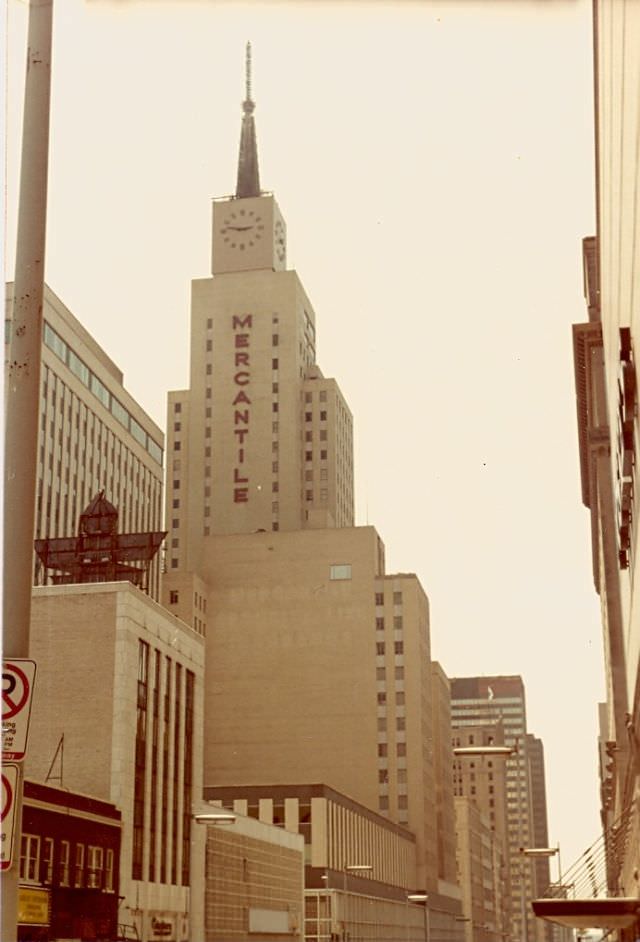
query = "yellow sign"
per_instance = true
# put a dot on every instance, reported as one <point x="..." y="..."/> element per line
<point x="33" y="906"/>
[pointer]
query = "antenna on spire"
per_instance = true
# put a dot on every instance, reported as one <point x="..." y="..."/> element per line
<point x="248" y="70"/>
<point x="248" y="177"/>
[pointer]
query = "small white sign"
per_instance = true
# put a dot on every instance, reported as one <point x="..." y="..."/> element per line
<point x="17" y="688"/>
<point x="9" y="776"/>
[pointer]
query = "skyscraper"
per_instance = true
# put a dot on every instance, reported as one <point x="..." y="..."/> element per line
<point x="317" y="661"/>
<point x="93" y="436"/>
<point x="485" y="701"/>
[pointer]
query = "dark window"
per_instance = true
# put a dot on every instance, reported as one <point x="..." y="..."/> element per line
<point x="380" y="647"/>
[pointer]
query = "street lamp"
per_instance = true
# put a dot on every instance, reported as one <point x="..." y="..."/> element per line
<point x="214" y="817"/>
<point x="422" y="898"/>
<point x="350" y="868"/>
<point x="505" y="751"/>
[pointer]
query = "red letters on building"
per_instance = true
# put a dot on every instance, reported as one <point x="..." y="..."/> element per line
<point x="241" y="417"/>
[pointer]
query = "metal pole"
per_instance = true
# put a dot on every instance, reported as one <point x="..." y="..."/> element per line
<point x="22" y="384"/>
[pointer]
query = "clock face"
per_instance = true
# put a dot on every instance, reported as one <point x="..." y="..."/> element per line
<point x="242" y="229"/>
<point x="280" y="241"/>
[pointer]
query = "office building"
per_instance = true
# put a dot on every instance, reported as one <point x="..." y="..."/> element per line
<point x="93" y="437"/>
<point x="500" y="702"/>
<point x="317" y="660"/>
<point x="360" y="867"/>
<point x="117" y="714"/>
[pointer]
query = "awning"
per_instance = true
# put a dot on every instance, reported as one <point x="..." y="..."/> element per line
<point x="607" y="913"/>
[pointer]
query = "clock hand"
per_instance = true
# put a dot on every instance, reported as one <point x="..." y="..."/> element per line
<point x="240" y="228"/>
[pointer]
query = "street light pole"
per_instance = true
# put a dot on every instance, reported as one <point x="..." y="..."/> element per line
<point x="22" y="386"/>
<point x="424" y="899"/>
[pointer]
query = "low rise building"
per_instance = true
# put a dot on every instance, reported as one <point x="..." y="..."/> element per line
<point x="121" y="680"/>
<point x="69" y="865"/>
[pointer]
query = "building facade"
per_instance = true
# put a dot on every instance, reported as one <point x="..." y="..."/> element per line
<point x="121" y="680"/>
<point x="93" y="436"/>
<point x="606" y="380"/>
<point x="360" y="867"/>
<point x="327" y="654"/>
<point x="500" y="702"/>
<point x="69" y="866"/>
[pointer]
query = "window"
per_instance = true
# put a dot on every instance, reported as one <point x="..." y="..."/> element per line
<point x="397" y="598"/>
<point x="399" y="673"/>
<point x="340" y="571"/>
<point x="274" y="340"/>
<point x="308" y="455"/>
<point x="323" y="455"/>
<point x="177" y="407"/>
<point x="173" y="597"/>
<point x="397" y="622"/>
<point x="95" y="864"/>
<point x="108" y="872"/>
<point x="403" y="801"/>
<point x="47" y="860"/>
<point x="274" y="406"/>
<point x="379" y="624"/>
<point x="323" y="416"/>
<point x="30" y="857"/>
<point x="383" y="776"/>
<point x="323" y="395"/>
<point x="309" y="496"/>
<point x="382" y="698"/>
<point x="209" y="346"/>
<point x="382" y="749"/>
<point x="380" y="647"/>
<point x="63" y="864"/>
<point x="380" y="673"/>
<point x="398" y="647"/>
<point x="308" y="416"/>
<point x="383" y="802"/>
<point x="401" y="749"/>
<point x="379" y="598"/>
<point x="400" y="698"/>
<point x="78" y="879"/>
<point x="308" y="436"/>
<point x="274" y="364"/>
<point x="323" y="435"/>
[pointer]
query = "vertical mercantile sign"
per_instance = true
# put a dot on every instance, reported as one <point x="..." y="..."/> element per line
<point x="242" y="325"/>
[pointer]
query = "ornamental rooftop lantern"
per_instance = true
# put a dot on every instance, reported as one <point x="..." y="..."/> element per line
<point x="99" y="553"/>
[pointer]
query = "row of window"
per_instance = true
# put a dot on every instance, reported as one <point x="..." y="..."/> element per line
<point x="43" y="863"/>
<point x="397" y="623"/>
<point x="398" y="647"/>
<point x="397" y="598"/>
<point x="100" y="391"/>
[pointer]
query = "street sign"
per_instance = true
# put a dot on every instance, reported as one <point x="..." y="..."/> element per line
<point x="9" y="776"/>
<point x="17" y="687"/>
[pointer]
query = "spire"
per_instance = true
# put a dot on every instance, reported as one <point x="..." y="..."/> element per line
<point x="248" y="174"/>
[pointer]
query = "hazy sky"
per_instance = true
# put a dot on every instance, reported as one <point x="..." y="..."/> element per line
<point x="434" y="163"/>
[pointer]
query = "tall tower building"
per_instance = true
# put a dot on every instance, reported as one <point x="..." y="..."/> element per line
<point x="261" y="440"/>
<point x="484" y="701"/>
<point x="317" y="661"/>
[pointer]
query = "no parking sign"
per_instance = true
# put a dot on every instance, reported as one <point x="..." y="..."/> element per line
<point x="17" y="687"/>
<point x="8" y="788"/>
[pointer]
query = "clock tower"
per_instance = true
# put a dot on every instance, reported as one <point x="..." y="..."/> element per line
<point x="249" y="232"/>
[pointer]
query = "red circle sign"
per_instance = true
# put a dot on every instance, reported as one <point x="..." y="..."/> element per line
<point x="15" y="690"/>
<point x="7" y="798"/>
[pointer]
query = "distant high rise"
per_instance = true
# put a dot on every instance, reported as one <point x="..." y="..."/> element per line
<point x="485" y="701"/>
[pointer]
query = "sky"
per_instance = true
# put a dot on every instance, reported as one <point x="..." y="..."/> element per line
<point x="434" y="164"/>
